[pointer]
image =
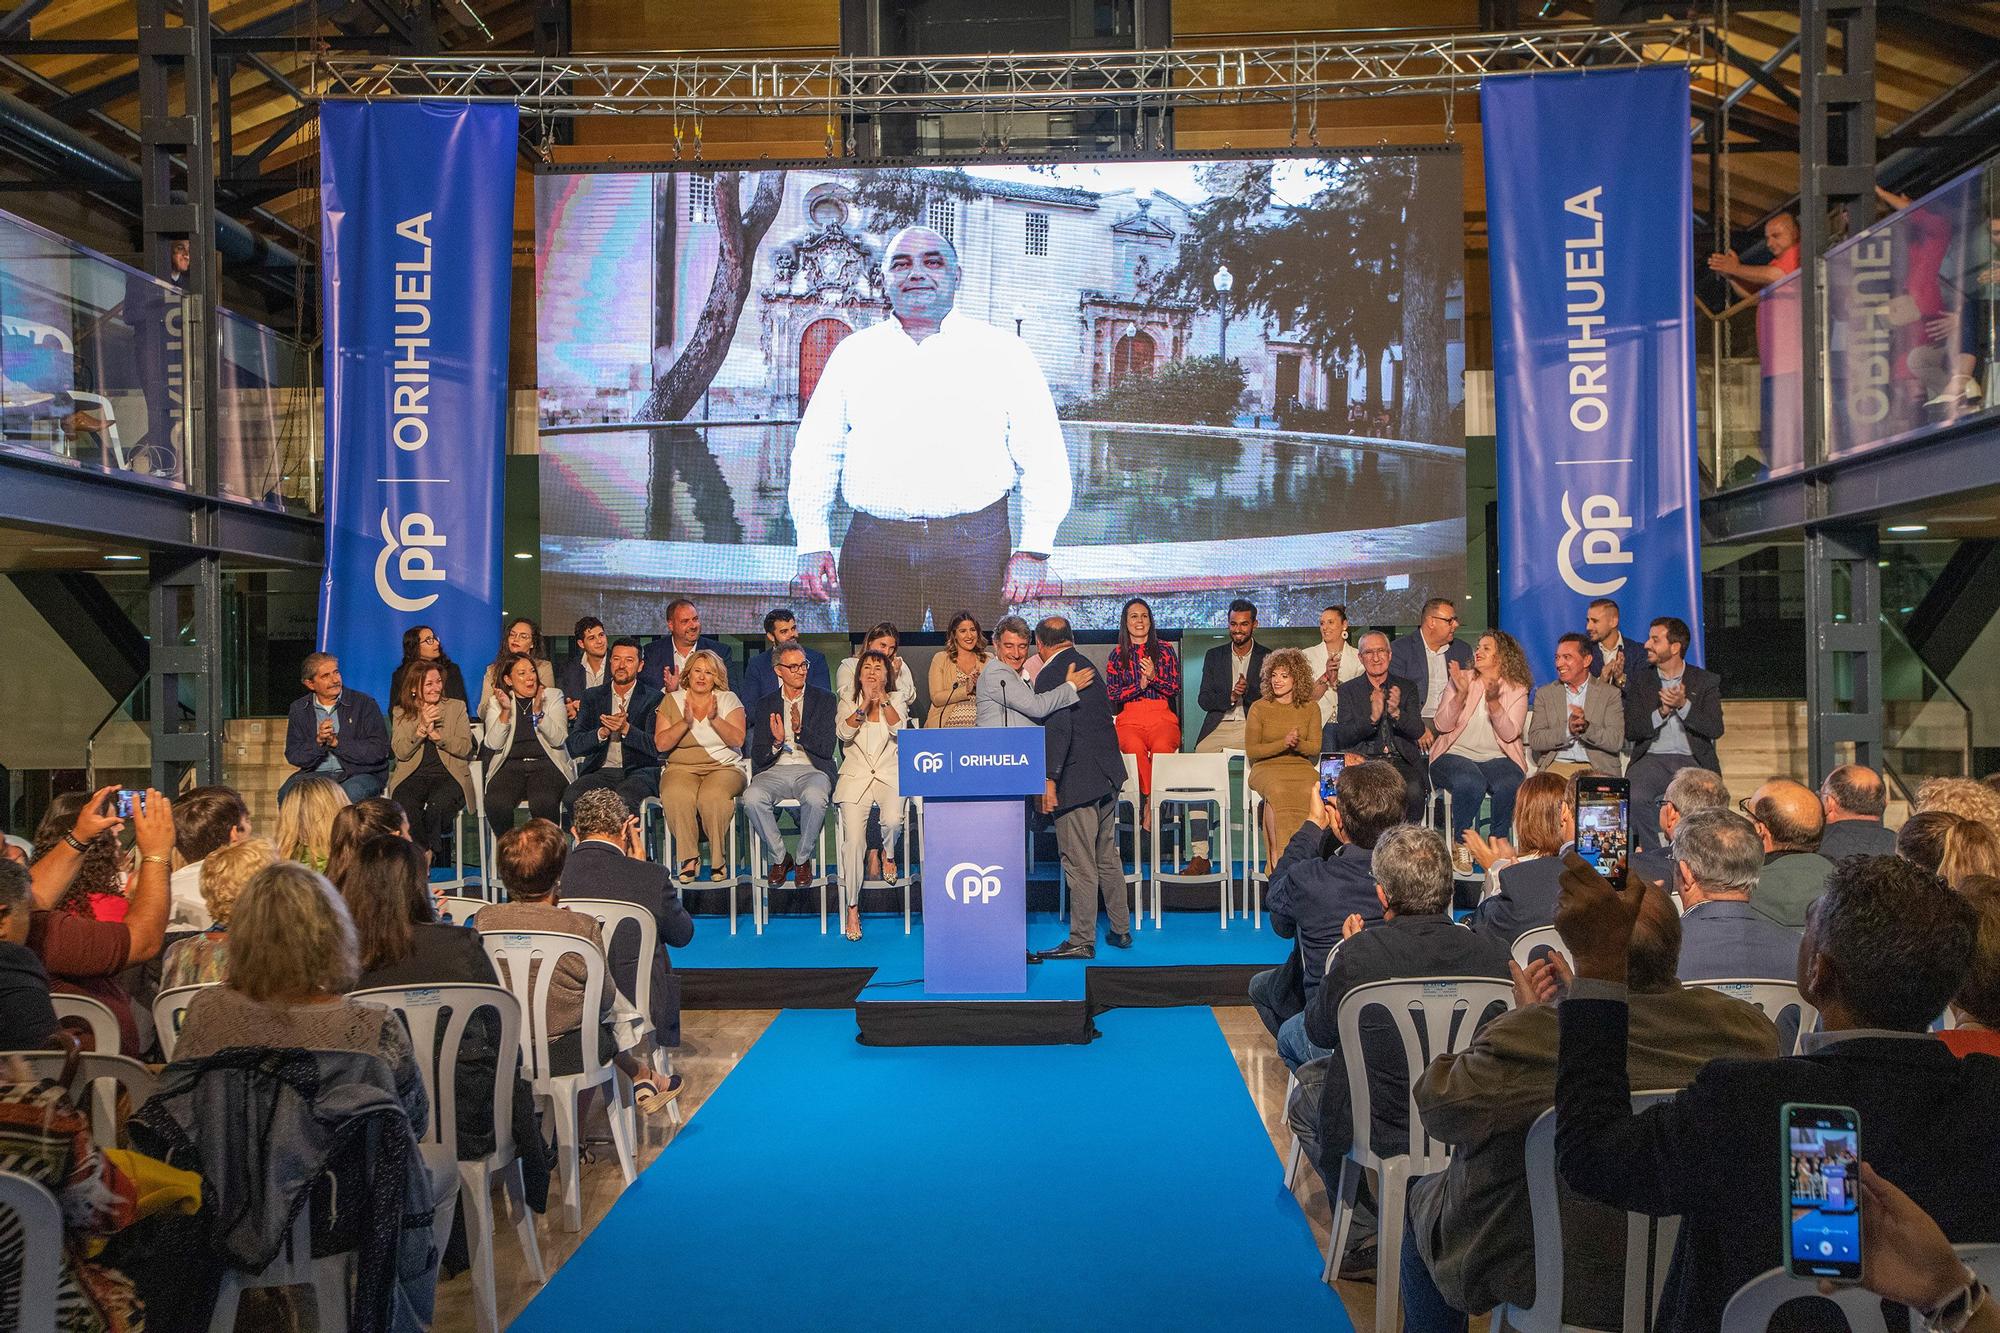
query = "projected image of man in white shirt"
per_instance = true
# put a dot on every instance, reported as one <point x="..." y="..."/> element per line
<point x="925" y="423"/>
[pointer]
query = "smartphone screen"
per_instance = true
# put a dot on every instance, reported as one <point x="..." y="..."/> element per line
<point x="1603" y="825"/>
<point x="1822" y="1192"/>
<point x="1329" y="774"/>
<point x="128" y="802"/>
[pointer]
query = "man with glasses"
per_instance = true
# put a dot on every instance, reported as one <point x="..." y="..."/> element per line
<point x="1378" y="719"/>
<point x="1692" y="791"/>
<point x="1423" y="658"/>
<point x="1673" y="718"/>
<point x="791" y="759"/>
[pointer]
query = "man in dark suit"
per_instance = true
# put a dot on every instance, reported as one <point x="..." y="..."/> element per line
<point x="791" y="759"/>
<point x="333" y="732"/>
<point x="1887" y="947"/>
<point x="666" y="656"/>
<point x="1378" y="719"/>
<point x="586" y="668"/>
<point x="1692" y="791"/>
<point x="1230" y="682"/>
<point x="1424" y="657"/>
<point x="1673" y="718"/>
<point x="1853" y="798"/>
<point x="612" y="735"/>
<point x="607" y="864"/>
<point x="760" y="677"/>
<point x="1085" y="771"/>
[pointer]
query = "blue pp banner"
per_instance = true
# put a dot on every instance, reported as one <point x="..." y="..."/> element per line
<point x="976" y="909"/>
<point x="1592" y="256"/>
<point x="972" y="761"/>
<point x="418" y="235"/>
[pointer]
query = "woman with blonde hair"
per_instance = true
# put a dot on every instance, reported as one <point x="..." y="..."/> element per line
<point x="699" y="735"/>
<point x="1479" y="752"/>
<point x="305" y="820"/>
<point x="1281" y="735"/>
<point x="204" y="958"/>
<point x="1969" y="849"/>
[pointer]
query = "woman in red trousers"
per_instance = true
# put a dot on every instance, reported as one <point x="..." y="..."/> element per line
<point x="1144" y="681"/>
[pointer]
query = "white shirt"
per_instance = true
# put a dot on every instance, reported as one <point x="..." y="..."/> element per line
<point x="187" y="909"/>
<point x="614" y="752"/>
<point x="1350" y="667"/>
<point x="1239" y="669"/>
<point x="908" y="430"/>
<point x="704" y="732"/>
<point x="594" y="676"/>
<point x="1440" y="679"/>
<point x="1477" y="741"/>
<point x="904" y="695"/>
<point x="1573" y="753"/>
<point x="793" y="752"/>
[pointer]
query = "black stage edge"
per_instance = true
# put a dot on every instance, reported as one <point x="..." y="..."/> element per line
<point x="973" y="1022"/>
<point x="1168" y="987"/>
<point x="771" y="987"/>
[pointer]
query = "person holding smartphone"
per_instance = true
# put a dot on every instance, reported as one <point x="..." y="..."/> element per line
<point x="610" y="862"/>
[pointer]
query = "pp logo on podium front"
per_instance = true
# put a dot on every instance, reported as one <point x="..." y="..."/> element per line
<point x="927" y="761"/>
<point x="968" y="882"/>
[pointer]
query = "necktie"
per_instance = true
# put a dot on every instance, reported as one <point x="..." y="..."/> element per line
<point x="796" y="725"/>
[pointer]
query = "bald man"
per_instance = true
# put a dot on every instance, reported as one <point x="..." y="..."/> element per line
<point x="1854" y="798"/>
<point x="1788" y="819"/>
<point x="926" y="423"/>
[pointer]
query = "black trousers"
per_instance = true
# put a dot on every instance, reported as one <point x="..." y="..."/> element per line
<point x="634" y="784"/>
<point x="432" y="801"/>
<point x="899" y="569"/>
<point x="536" y="781"/>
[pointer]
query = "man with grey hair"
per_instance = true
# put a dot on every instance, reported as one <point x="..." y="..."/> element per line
<point x="1718" y="857"/>
<point x="1690" y="791"/>
<point x="1854" y="798"/>
<point x="334" y="732"/>
<point x="610" y="862"/>
<point x="1004" y="697"/>
<point x="925" y="424"/>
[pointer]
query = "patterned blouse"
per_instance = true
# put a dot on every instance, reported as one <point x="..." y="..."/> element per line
<point x="1123" y="681"/>
<point x="45" y="1138"/>
<point x="197" y="960"/>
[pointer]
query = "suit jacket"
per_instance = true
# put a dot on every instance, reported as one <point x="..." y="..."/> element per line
<point x="596" y="869"/>
<point x="1633" y="652"/>
<point x="1857" y="837"/>
<point x="660" y="651"/>
<point x="817" y="716"/>
<point x="1353" y="731"/>
<point x="454" y="752"/>
<point x="1722" y="939"/>
<point x="1790" y="882"/>
<point x="1004" y="699"/>
<point x="869" y="757"/>
<point x="1217" y="675"/>
<point x="1317" y="884"/>
<point x="572" y="681"/>
<point x="760" y="678"/>
<point x="364" y="737"/>
<point x="499" y="716"/>
<point x="1526" y="900"/>
<point x="1656" y="865"/>
<point x="1472" y="1221"/>
<point x="1081" y="741"/>
<point x="1712" y="1153"/>
<point x="1409" y="659"/>
<point x="1603" y="724"/>
<point x="1703" y="722"/>
<point x="589" y="749"/>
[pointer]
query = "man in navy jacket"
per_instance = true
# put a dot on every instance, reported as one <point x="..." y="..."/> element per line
<point x="1431" y="643"/>
<point x="791" y="739"/>
<point x="665" y="656"/>
<point x="760" y="677"/>
<point x="607" y="864"/>
<point x="619" y="712"/>
<point x="1085" y="771"/>
<point x="337" y="733"/>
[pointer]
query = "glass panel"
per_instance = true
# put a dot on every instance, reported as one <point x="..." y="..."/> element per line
<point x="268" y="444"/>
<point x="1926" y="726"/>
<point x="1748" y="385"/>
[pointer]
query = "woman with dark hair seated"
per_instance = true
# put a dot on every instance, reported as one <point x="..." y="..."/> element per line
<point x="376" y="817"/>
<point x="525" y="758"/>
<point x="421" y="645"/>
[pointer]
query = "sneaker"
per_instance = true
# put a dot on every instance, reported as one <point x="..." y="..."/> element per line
<point x="1359" y="1263"/>
<point x="1461" y="863"/>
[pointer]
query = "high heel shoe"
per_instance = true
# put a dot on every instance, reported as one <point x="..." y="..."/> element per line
<point x="688" y="867"/>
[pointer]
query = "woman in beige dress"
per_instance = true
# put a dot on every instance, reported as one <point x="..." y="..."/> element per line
<point x="699" y="734"/>
<point x="1281" y="741"/>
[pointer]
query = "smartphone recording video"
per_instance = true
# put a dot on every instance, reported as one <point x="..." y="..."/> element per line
<point x="1603" y="825"/>
<point x="1823" y="1192"/>
<point x="1329" y="775"/>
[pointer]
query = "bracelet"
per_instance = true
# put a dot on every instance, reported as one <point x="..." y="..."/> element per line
<point x="149" y="860"/>
<point x="74" y="845"/>
<point x="1957" y="1312"/>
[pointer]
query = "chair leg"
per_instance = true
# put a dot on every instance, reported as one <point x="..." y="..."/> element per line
<point x="624" y="1122"/>
<point x="564" y="1105"/>
<point x="1343" y="1217"/>
<point x="475" y="1194"/>
<point x="329" y="1280"/>
<point x="524" y="1219"/>
<point x="1389" y="1247"/>
<point x="223" y="1320"/>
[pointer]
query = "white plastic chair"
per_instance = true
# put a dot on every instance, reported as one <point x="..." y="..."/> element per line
<point x="459" y="909"/>
<point x="106" y="1075"/>
<point x="38" y="1221"/>
<point x="1295" y="1155"/>
<point x="170" y="1008"/>
<point x="1649" y="1243"/>
<point x="103" y="1025"/>
<point x="420" y="1007"/>
<point x="1751" y="1308"/>
<point x="732" y="880"/>
<point x="610" y="914"/>
<point x="527" y="961"/>
<point x="1255" y="880"/>
<point x="760" y="857"/>
<point x="1541" y="937"/>
<point x="1193" y="780"/>
<point x="912" y="812"/>
<point x="294" y="1266"/>
<point x="1772" y="998"/>
<point x="1451" y="1009"/>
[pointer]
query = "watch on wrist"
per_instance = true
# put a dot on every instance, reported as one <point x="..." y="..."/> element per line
<point x="1957" y="1312"/>
<point x="74" y="845"/>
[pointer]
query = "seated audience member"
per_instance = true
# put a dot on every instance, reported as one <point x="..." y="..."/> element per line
<point x="1332" y="661"/>
<point x="84" y="955"/>
<point x="205" y="818"/>
<point x="667" y="657"/>
<point x="1477" y="753"/>
<point x="1921" y="840"/>
<point x="1471" y="1244"/>
<point x="51" y="869"/>
<point x="883" y="638"/>
<point x="585" y="669"/>
<point x="1231" y="676"/>
<point x="431" y="739"/>
<point x="609" y="862"/>
<point x="791" y="759"/>
<point x="1143" y="679"/>
<point x="1853" y="798"/>
<point x="521" y="637"/>
<point x="1281" y="737"/>
<point x="1323" y="878"/>
<point x="200" y="959"/>
<point x="1976" y="1007"/>
<point x="421" y="644"/>
<point x="526" y="729"/>
<point x="611" y="735"/>
<point x="530" y="860"/>
<point x="27" y="1017"/>
<point x="1886" y="947"/>
<point x="305" y="821"/>
<point x="1968" y="848"/>
<point x="15" y="848"/>
<point x="1963" y="797"/>
<point x="1523" y="875"/>
<point x="761" y="678"/>
<point x="292" y="960"/>
<point x="1787" y="816"/>
<point x="1690" y="791"/>
<point x="868" y="725"/>
<point x="1673" y="718"/>
<point x="1720" y="858"/>
<point x="376" y="817"/>
<point x="1578" y="721"/>
<point x="1005" y="696"/>
<point x="335" y="733"/>
<point x="1377" y="720"/>
<point x="699" y="732"/>
<point x="96" y="887"/>
<point x="955" y="673"/>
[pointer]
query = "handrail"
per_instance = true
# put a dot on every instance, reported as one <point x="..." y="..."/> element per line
<point x="90" y="743"/>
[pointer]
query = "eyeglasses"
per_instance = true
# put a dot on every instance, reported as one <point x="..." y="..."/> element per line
<point x="791" y="666"/>
<point x="1445" y="620"/>
<point x="1743" y="804"/>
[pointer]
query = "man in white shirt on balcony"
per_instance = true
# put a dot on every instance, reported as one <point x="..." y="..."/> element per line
<point x="925" y="423"/>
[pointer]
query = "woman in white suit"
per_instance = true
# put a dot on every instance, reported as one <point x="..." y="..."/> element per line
<point x="526" y="725"/>
<point x="867" y="726"/>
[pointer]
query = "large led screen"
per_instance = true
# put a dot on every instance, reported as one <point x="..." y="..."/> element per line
<point x="897" y="392"/>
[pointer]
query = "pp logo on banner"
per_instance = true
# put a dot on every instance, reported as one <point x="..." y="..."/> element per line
<point x="968" y="882"/>
<point x="927" y="761"/>
<point x="1599" y="528"/>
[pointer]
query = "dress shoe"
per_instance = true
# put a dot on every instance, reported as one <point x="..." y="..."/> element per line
<point x="804" y="874"/>
<point x="1359" y="1263"/>
<point x="1070" y="949"/>
<point x="1198" y="865"/>
<point x="777" y="873"/>
<point x="1119" y="939"/>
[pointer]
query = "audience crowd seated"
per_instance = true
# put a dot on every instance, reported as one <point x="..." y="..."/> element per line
<point x="1789" y="821"/>
<point x="205" y="819"/>
<point x="1977" y="801"/>
<point x="335" y="733"/>
<point x="609" y="862"/>
<point x="1950" y="845"/>
<point x="1689" y="792"/>
<point x="1976" y="1007"/>
<point x="430" y="739"/>
<point x="376" y="817"/>
<point x="305" y="820"/>
<point x="1719" y="858"/>
<point x="1521" y="876"/>
<point x="96" y="887"/>
<point x="1854" y="798"/>
<point x="200" y="959"/>
<point x="27" y="1016"/>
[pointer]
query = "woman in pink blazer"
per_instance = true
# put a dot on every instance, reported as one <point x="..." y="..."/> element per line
<point x="1478" y="751"/>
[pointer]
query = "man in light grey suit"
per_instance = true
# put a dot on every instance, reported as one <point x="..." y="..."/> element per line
<point x="1718" y="857"/>
<point x="1003" y="696"/>
<point x="1579" y="721"/>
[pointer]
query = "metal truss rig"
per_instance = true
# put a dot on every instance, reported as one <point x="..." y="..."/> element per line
<point x="849" y="85"/>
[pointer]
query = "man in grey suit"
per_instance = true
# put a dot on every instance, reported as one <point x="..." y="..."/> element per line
<point x="1719" y="857"/>
<point x="1004" y="698"/>
<point x="1579" y="721"/>
<point x="1854" y="798"/>
<point x="1085" y="771"/>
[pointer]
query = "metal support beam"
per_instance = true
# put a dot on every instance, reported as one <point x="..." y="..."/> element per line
<point x="1845" y="647"/>
<point x="184" y="616"/>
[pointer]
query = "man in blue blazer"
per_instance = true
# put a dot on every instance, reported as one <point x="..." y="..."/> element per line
<point x="611" y="738"/>
<point x="337" y="733"/>
<point x="1424" y="655"/>
<point x="586" y="668"/>
<point x="1377" y="718"/>
<point x="791" y="737"/>
<point x="1718" y="857"/>
<point x="608" y="863"/>
<point x="1085" y="771"/>
<point x="666" y="656"/>
<point x="760" y="677"/>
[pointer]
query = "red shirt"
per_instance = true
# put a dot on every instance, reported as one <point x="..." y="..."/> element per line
<point x="1779" y="315"/>
<point x="84" y="957"/>
<point x="1123" y="681"/>
<point x="1972" y="1041"/>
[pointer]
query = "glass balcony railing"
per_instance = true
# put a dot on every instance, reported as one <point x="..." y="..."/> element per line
<point x="1751" y="387"/>
<point x="1927" y="727"/>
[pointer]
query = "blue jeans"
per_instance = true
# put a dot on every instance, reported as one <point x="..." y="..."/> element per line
<point x="358" y="786"/>
<point x="1470" y="783"/>
<point x="1424" y="1307"/>
<point x="1295" y="1047"/>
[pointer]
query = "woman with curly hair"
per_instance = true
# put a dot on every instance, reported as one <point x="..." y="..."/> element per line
<point x="98" y="890"/>
<point x="1281" y="742"/>
<point x="1478" y="751"/>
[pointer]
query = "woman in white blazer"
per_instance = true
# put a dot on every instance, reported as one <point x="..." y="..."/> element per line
<point x="867" y="727"/>
<point x="526" y="726"/>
